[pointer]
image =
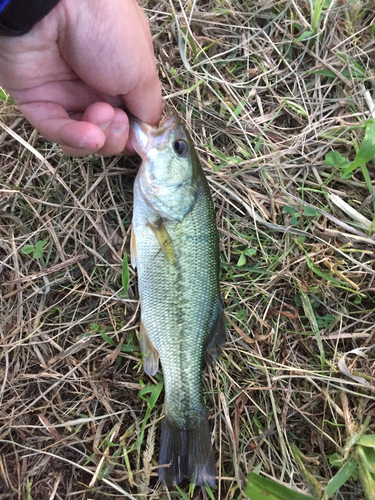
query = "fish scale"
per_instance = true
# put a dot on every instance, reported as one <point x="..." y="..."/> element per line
<point x="181" y="311"/>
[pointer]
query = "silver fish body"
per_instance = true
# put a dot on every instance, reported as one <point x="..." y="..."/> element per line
<point x="175" y="249"/>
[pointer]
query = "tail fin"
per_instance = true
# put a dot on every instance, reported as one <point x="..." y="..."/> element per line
<point x="186" y="453"/>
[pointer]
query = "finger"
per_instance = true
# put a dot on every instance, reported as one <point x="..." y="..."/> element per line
<point x="54" y="123"/>
<point x="75" y="151"/>
<point x="100" y="114"/>
<point x="117" y="134"/>
<point x="125" y="64"/>
<point x="116" y="130"/>
<point x="129" y="148"/>
<point x="145" y="101"/>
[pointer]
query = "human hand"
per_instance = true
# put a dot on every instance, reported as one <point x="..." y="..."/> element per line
<point x="74" y="71"/>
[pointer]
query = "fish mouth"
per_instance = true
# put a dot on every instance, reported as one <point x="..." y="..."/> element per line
<point x="144" y="137"/>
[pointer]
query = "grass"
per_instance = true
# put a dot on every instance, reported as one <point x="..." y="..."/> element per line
<point x="277" y="96"/>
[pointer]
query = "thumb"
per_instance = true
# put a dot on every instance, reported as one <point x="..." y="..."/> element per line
<point x="145" y="102"/>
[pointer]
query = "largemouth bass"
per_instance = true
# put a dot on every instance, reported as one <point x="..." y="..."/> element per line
<point x="175" y="249"/>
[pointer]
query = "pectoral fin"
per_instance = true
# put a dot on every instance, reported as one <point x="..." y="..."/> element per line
<point x="165" y="241"/>
<point x="217" y="336"/>
<point x="133" y="249"/>
<point x="151" y="355"/>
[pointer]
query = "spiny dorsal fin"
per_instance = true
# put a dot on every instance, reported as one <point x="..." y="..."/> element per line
<point x="151" y="355"/>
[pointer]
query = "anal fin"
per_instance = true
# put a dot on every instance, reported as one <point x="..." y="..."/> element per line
<point x="151" y="355"/>
<point x="216" y="339"/>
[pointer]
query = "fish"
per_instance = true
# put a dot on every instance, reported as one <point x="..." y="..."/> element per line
<point x="175" y="249"/>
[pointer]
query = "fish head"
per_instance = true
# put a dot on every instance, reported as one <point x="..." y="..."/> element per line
<point x="170" y="172"/>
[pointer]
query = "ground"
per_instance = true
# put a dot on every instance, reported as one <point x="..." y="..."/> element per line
<point x="278" y="97"/>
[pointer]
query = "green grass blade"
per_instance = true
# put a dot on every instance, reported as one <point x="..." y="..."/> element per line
<point x="368" y="482"/>
<point x="367" y="177"/>
<point x="316" y="14"/>
<point x="107" y="338"/>
<point x="307" y="307"/>
<point x="125" y="273"/>
<point x="182" y="493"/>
<point x="366" y="455"/>
<point x="209" y="492"/>
<point x="262" y="488"/>
<point x="5" y="97"/>
<point x="341" y="477"/>
<point x="154" y="391"/>
<point x="305" y="34"/>
<point x="368" y="440"/>
<point x="321" y="274"/>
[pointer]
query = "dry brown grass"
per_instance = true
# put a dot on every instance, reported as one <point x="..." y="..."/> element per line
<point x="284" y="397"/>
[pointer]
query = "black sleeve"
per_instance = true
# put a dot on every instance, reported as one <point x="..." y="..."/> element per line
<point x="17" y="17"/>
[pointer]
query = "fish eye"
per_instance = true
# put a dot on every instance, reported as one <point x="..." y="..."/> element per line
<point x="181" y="147"/>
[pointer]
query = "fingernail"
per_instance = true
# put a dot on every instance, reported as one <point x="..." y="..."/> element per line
<point x="118" y="128"/>
<point x="83" y="143"/>
<point x="87" y="143"/>
<point x="103" y="126"/>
